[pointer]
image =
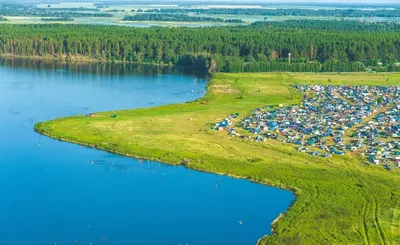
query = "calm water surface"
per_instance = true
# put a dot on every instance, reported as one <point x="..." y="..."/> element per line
<point x="51" y="194"/>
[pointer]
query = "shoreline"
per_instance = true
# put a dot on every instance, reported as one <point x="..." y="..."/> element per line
<point x="272" y="164"/>
<point x="86" y="60"/>
<point x="79" y="59"/>
<point x="293" y="190"/>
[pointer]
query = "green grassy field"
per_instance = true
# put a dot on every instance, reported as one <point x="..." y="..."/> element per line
<point x="339" y="200"/>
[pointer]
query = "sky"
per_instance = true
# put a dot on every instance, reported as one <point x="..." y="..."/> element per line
<point x="306" y="1"/>
<point x="229" y="1"/>
<point x="283" y="1"/>
<point x="338" y="1"/>
<point x="343" y="1"/>
<point x="277" y="1"/>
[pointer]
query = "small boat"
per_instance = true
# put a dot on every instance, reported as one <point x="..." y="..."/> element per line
<point x="240" y="222"/>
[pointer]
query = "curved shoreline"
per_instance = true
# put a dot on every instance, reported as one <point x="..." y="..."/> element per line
<point x="181" y="134"/>
<point x="275" y="221"/>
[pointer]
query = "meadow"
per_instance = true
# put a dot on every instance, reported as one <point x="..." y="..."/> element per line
<point x="340" y="200"/>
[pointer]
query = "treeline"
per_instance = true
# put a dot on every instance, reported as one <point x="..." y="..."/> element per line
<point x="332" y="25"/>
<point x="58" y="19"/>
<point x="114" y="10"/>
<point x="50" y="13"/>
<point x="343" y="5"/>
<point x="103" y="69"/>
<point x="80" y="9"/>
<point x="31" y="10"/>
<point x="289" y="12"/>
<point x="236" y="64"/>
<point x="230" y="49"/>
<point x="177" y="17"/>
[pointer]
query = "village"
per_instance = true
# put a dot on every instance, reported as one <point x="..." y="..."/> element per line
<point x="330" y="120"/>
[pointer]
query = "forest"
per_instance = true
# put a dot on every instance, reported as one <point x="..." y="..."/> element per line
<point x="32" y="10"/>
<point x="80" y="9"/>
<point x="50" y="13"/>
<point x="333" y="25"/>
<point x="289" y="12"/>
<point x="229" y="49"/>
<point x="178" y="18"/>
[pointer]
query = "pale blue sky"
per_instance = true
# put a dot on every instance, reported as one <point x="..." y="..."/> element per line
<point x="307" y="1"/>
<point x="231" y="1"/>
<point x="283" y="1"/>
<point x="274" y="1"/>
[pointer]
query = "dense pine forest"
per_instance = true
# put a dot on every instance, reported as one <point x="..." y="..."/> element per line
<point x="333" y="25"/>
<point x="177" y="17"/>
<point x="228" y="49"/>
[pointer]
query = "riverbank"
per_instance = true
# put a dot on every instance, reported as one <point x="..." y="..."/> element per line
<point x="76" y="59"/>
<point x="339" y="200"/>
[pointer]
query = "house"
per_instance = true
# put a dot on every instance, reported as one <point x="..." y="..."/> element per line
<point x="327" y="113"/>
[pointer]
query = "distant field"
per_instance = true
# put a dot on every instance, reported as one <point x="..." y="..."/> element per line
<point x="117" y="20"/>
<point x="340" y="200"/>
<point x="68" y="5"/>
<point x="126" y="9"/>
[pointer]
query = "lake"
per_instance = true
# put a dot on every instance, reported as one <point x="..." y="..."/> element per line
<point x="55" y="192"/>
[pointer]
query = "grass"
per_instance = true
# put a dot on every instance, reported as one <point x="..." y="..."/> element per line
<point x="339" y="200"/>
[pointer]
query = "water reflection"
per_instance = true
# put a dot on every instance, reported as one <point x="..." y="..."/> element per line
<point x="93" y="68"/>
<point x="60" y="193"/>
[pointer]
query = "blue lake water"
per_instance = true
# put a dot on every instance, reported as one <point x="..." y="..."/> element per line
<point x="50" y="193"/>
